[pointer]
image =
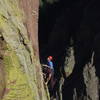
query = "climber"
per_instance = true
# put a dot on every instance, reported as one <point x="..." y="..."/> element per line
<point x="50" y="69"/>
<point x="50" y="63"/>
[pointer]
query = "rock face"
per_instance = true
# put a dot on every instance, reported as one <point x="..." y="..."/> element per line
<point x="92" y="83"/>
<point x="30" y="8"/>
<point x="19" y="60"/>
<point x="2" y="73"/>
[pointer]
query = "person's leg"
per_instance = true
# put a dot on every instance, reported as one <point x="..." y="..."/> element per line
<point x="48" y="78"/>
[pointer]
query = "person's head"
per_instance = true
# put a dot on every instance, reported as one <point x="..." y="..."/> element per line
<point x="50" y="58"/>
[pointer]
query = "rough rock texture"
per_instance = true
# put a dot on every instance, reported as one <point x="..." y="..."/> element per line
<point x="23" y="75"/>
<point x="69" y="62"/>
<point x="2" y="73"/>
<point x="30" y="8"/>
<point x="91" y="81"/>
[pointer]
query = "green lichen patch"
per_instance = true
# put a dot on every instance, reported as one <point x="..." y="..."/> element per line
<point x="16" y="83"/>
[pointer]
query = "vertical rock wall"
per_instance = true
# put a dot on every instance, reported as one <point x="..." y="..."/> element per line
<point x="23" y="75"/>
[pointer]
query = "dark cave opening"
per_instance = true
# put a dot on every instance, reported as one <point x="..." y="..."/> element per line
<point x="58" y="24"/>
